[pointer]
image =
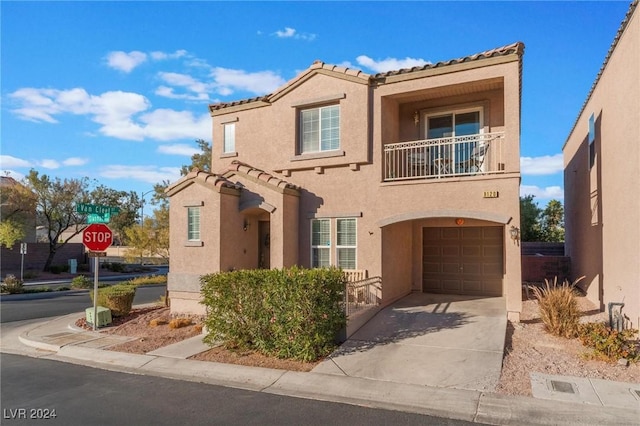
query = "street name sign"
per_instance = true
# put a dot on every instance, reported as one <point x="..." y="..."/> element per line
<point x="96" y="209"/>
<point x="97" y="237"/>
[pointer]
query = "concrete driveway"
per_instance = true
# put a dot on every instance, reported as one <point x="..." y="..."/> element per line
<point x="428" y="339"/>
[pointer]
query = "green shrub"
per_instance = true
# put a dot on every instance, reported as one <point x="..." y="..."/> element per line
<point x="558" y="307"/>
<point x="118" y="298"/>
<point x="12" y="285"/>
<point x="148" y="280"/>
<point x="609" y="344"/>
<point x="81" y="281"/>
<point x="289" y="313"/>
<point x="114" y="266"/>
<point x="58" y="269"/>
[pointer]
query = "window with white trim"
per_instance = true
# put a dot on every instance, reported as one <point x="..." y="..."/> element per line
<point x="320" y="129"/>
<point x="229" y="144"/>
<point x="320" y="243"/>
<point x="193" y="223"/>
<point x="346" y="243"/>
<point x="328" y="249"/>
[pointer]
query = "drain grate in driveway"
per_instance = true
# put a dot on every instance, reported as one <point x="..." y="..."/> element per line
<point x="564" y="387"/>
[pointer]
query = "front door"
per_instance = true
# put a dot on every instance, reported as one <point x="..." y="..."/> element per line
<point x="264" y="242"/>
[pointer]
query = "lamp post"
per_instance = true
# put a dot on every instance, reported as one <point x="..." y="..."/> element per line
<point x="142" y="216"/>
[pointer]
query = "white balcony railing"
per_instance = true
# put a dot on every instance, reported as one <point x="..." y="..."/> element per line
<point x="445" y="157"/>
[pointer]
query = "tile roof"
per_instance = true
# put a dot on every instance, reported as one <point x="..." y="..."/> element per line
<point x="207" y="178"/>
<point x="616" y="39"/>
<point x="514" y="48"/>
<point x="258" y="174"/>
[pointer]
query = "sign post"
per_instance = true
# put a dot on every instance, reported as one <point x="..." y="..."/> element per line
<point x="96" y="237"/>
<point x="23" y="251"/>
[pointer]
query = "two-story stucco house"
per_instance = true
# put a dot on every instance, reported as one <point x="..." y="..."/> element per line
<point x="602" y="177"/>
<point x="411" y="175"/>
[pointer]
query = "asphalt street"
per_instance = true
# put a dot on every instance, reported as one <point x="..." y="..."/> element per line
<point x="19" y="307"/>
<point x="36" y="390"/>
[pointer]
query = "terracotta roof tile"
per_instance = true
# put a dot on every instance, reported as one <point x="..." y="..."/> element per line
<point x="238" y="166"/>
<point x="208" y="178"/>
<point x="517" y="48"/>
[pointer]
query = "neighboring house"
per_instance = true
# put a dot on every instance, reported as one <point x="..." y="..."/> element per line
<point x="602" y="177"/>
<point x="411" y="175"/>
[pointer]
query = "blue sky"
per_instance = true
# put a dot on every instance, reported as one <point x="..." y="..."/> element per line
<point x="118" y="91"/>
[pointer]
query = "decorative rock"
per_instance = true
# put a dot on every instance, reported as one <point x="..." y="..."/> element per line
<point x="623" y="362"/>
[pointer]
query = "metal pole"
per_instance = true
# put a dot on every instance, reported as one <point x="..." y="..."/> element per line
<point x="95" y="292"/>
<point x="22" y="267"/>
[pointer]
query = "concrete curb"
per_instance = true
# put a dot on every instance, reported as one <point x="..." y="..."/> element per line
<point x="467" y="405"/>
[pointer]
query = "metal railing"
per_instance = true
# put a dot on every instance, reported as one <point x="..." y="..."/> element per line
<point x="362" y="295"/>
<point x="445" y="157"/>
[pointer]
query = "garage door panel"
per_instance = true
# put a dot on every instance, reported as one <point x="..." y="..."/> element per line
<point x="467" y="260"/>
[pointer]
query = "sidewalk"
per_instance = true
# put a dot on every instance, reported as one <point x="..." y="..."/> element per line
<point x="596" y="402"/>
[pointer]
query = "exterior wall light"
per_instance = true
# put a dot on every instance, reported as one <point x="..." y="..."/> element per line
<point x="245" y="225"/>
<point x="459" y="221"/>
<point x="515" y="233"/>
<point x="416" y="118"/>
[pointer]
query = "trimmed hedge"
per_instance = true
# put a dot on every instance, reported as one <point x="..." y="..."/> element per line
<point x="118" y="298"/>
<point x="290" y="313"/>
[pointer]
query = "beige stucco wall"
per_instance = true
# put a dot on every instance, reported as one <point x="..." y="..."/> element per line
<point x="602" y="205"/>
<point x="349" y="184"/>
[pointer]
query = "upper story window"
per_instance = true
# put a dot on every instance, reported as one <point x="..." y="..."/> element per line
<point x="229" y="144"/>
<point x="193" y="223"/>
<point x="320" y="129"/>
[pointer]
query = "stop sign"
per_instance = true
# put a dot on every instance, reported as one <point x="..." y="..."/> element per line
<point x="97" y="237"/>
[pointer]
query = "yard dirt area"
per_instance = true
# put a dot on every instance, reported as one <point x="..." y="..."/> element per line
<point x="528" y="348"/>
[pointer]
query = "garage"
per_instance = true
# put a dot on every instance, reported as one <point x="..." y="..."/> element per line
<point x="463" y="260"/>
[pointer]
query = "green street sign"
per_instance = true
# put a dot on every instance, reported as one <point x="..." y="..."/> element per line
<point x="98" y="218"/>
<point x="96" y="209"/>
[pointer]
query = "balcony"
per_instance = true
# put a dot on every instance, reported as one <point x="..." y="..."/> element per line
<point x="468" y="155"/>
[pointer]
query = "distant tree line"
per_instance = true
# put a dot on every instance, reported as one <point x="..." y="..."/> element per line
<point x="543" y="225"/>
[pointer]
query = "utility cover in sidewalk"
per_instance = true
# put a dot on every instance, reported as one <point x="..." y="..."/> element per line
<point x="564" y="387"/>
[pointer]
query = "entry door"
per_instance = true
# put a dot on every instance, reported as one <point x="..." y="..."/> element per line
<point x="463" y="260"/>
<point x="264" y="244"/>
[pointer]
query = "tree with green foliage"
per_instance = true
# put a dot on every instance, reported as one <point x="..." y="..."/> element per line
<point x="543" y="225"/>
<point x="17" y="212"/>
<point x="529" y="219"/>
<point x="129" y="204"/>
<point x="56" y="208"/>
<point x="201" y="160"/>
<point x="552" y="222"/>
<point x="151" y="239"/>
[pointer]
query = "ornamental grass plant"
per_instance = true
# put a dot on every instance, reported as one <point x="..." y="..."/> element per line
<point x="558" y="307"/>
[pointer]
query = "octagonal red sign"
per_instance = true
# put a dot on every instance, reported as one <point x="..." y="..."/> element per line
<point x="97" y="237"/>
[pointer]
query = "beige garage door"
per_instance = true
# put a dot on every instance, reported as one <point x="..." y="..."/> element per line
<point x="463" y="260"/>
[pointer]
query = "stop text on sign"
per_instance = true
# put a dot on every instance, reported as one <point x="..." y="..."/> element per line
<point x="97" y="237"/>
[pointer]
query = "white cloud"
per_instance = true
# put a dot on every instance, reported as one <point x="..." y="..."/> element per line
<point x="148" y="174"/>
<point x="550" y="192"/>
<point x="120" y="114"/>
<point x="545" y="165"/>
<point x="166" y="124"/>
<point x="48" y="163"/>
<point x="261" y="82"/>
<point x="390" y="64"/>
<point x="124" y="61"/>
<point x="8" y="162"/>
<point x="186" y="82"/>
<point x="75" y="161"/>
<point x="178" y="149"/>
<point x="161" y="56"/>
<point x="289" y="32"/>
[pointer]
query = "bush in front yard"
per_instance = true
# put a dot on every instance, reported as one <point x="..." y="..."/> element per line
<point x="12" y="285"/>
<point x="81" y="281"/>
<point x="558" y="307"/>
<point x="609" y="344"/>
<point x="289" y="313"/>
<point x="118" y="298"/>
